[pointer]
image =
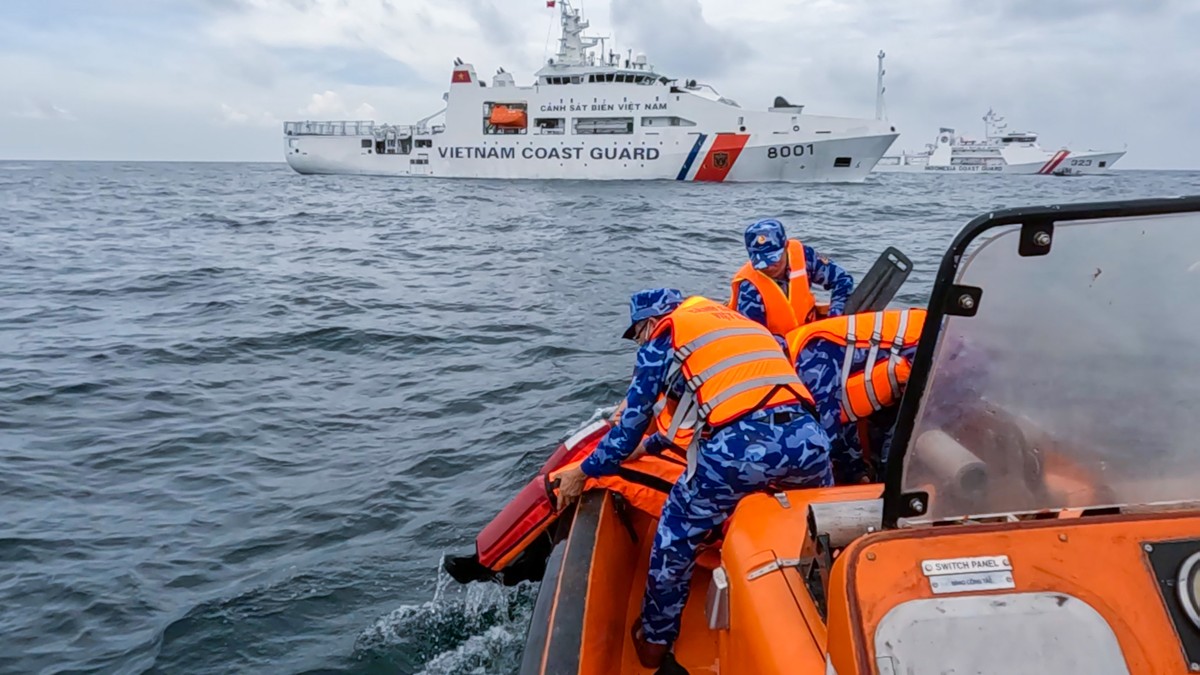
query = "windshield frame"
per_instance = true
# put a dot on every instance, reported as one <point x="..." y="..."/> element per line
<point x="947" y="299"/>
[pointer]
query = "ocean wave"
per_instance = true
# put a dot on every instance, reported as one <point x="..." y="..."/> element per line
<point x="244" y="410"/>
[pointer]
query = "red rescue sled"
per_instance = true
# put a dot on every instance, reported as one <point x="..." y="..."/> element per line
<point x="533" y="509"/>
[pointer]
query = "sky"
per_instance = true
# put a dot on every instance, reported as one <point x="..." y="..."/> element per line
<point x="214" y="79"/>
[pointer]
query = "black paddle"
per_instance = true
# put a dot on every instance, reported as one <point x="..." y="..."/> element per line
<point x="880" y="284"/>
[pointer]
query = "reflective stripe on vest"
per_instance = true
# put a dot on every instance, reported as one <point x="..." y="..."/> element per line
<point x="730" y="365"/>
<point x="784" y="311"/>
<point x="879" y="383"/>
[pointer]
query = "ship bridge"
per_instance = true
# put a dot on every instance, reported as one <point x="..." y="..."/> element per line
<point x="576" y="63"/>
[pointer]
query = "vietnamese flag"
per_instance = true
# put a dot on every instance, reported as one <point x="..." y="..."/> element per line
<point x="549" y="3"/>
<point x="460" y="76"/>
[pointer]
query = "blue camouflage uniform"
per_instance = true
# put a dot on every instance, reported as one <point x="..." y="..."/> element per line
<point x="741" y="458"/>
<point x="819" y="366"/>
<point x="763" y="254"/>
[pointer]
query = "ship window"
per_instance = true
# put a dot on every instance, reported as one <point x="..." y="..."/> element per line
<point x="603" y="125"/>
<point x="841" y="162"/>
<point x="576" y="79"/>
<point x="666" y="121"/>
<point x="550" y="125"/>
<point x="423" y="143"/>
<point x="591" y="78"/>
<point x="366" y="142"/>
<point x="609" y="77"/>
<point x="1103" y="164"/>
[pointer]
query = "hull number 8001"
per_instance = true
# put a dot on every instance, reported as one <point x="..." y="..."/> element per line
<point x="798" y="150"/>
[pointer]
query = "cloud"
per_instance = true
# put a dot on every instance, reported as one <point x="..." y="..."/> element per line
<point x="1076" y="10"/>
<point x="1085" y="72"/>
<point x="424" y="35"/>
<point x="683" y="41"/>
<point x="330" y="105"/>
<point x="41" y="110"/>
<point x="256" y="118"/>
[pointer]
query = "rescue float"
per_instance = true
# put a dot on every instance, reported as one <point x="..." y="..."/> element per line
<point x="1040" y="511"/>
<point x="593" y="115"/>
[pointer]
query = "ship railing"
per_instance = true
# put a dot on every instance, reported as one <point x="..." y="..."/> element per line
<point x="330" y="128"/>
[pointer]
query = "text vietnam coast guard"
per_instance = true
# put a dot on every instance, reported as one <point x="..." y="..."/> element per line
<point x="570" y="152"/>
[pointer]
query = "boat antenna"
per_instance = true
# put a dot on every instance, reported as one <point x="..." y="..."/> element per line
<point x="549" y="28"/>
<point x="879" y="88"/>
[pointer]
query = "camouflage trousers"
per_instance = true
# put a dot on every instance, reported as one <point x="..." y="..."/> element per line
<point x="748" y="456"/>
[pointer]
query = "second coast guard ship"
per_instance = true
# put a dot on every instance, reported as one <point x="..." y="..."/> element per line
<point x="592" y="116"/>
<point x="1002" y="151"/>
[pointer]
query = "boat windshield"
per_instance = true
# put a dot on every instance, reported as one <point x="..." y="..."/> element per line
<point x="1075" y="385"/>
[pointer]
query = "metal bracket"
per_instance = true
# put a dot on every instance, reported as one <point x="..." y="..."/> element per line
<point x="782" y="498"/>
<point x="776" y="564"/>
<point x="962" y="300"/>
<point x="914" y="504"/>
<point x="1036" y="237"/>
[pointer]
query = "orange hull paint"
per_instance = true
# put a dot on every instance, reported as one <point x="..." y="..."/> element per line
<point x="775" y="625"/>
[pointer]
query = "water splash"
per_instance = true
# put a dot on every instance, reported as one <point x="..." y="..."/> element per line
<point x="479" y="628"/>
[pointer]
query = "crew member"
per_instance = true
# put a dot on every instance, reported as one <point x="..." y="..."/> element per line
<point x="857" y="368"/>
<point x="775" y="287"/>
<point x="717" y="385"/>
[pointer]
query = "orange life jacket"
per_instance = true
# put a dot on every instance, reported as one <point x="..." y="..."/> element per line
<point x="784" y="312"/>
<point x="730" y="366"/>
<point x="880" y="382"/>
<point x="644" y="482"/>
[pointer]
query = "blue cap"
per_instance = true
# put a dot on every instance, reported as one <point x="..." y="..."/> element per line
<point x="651" y="302"/>
<point x="765" y="242"/>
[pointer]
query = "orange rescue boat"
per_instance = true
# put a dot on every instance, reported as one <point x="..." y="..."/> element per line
<point x="1041" y="511"/>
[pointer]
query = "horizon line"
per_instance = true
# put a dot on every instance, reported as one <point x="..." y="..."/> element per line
<point x="284" y="161"/>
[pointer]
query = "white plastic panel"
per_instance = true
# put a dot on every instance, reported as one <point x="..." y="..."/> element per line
<point x="1010" y="634"/>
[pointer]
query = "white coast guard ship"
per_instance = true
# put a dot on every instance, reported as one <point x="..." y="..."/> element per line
<point x="591" y="116"/>
<point x="1002" y="151"/>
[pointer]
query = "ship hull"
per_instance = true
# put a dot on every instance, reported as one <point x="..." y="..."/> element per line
<point x="685" y="156"/>
<point x="1072" y="162"/>
<point x="1058" y="163"/>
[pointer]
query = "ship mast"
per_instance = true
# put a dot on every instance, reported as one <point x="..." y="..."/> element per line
<point x="994" y="126"/>
<point x="572" y="46"/>
<point x="879" y="88"/>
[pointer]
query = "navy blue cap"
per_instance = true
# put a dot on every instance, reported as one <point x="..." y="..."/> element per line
<point x="649" y="303"/>
<point x="765" y="242"/>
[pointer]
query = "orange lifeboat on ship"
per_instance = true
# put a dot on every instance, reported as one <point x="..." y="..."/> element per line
<point x="506" y="117"/>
